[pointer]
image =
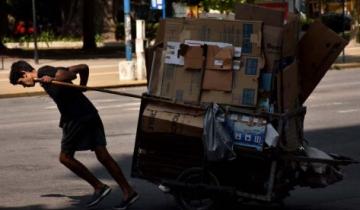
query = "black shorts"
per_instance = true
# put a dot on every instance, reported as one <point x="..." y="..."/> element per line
<point x="82" y="134"/>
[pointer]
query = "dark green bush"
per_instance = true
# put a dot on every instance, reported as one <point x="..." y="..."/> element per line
<point x="337" y="22"/>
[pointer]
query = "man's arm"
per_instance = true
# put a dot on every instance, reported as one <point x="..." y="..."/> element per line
<point x="83" y="71"/>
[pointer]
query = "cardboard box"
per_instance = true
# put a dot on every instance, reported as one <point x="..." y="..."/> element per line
<point x="218" y="73"/>
<point x="239" y="33"/>
<point x="246" y="130"/>
<point x="280" y="37"/>
<point x="173" y="119"/>
<point x="318" y="49"/>
<point x="246" y="82"/>
<point x="217" y="80"/>
<point x="219" y="58"/>
<point x="244" y="36"/>
<point x="273" y="17"/>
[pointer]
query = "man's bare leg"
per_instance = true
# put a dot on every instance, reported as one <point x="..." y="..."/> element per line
<point x="80" y="170"/>
<point x="115" y="171"/>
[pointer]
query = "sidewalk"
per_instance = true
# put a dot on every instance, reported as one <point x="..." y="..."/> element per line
<point x="104" y="73"/>
<point x="350" y="58"/>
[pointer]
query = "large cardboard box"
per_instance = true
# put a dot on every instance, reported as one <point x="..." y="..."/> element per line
<point x="239" y="33"/>
<point x="178" y="82"/>
<point x="172" y="119"/>
<point x="318" y="49"/>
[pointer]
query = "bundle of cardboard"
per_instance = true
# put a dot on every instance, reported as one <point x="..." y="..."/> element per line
<point x="261" y="61"/>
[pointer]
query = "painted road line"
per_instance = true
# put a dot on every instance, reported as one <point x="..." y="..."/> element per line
<point x="327" y="104"/>
<point x="348" y="111"/>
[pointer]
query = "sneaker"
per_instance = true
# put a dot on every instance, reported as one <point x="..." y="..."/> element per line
<point x="127" y="203"/>
<point x="98" y="196"/>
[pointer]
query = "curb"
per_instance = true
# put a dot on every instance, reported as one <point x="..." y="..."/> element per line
<point x="39" y="93"/>
<point x="343" y="66"/>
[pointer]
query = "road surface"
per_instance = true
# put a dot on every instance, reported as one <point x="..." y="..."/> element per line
<point x="32" y="178"/>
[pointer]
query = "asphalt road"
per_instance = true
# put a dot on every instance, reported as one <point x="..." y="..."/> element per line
<point x="32" y="178"/>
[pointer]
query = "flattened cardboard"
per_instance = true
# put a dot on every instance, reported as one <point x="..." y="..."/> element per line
<point x="217" y="80"/>
<point x="194" y="58"/>
<point x="290" y="92"/>
<point x="168" y="84"/>
<point x="219" y="58"/>
<point x="318" y="49"/>
<point x="273" y="17"/>
<point x="156" y="75"/>
<point x="280" y="42"/>
<point x="291" y="35"/>
<point x="172" y="119"/>
<point x="239" y="33"/>
<point x="160" y="32"/>
<point x="187" y="85"/>
<point x="214" y="96"/>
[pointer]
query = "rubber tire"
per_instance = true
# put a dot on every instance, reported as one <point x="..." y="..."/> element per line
<point x="195" y="175"/>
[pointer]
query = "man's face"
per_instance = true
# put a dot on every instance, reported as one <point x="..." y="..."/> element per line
<point x="27" y="80"/>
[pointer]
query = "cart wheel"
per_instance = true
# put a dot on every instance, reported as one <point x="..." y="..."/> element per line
<point x="192" y="199"/>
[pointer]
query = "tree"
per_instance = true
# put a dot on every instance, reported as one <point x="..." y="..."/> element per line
<point x="222" y="6"/>
<point x="89" y="25"/>
<point x="4" y="10"/>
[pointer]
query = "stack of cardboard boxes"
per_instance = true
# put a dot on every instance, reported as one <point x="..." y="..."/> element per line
<point x="261" y="62"/>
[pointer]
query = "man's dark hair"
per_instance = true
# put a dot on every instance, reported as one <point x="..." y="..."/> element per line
<point x="17" y="71"/>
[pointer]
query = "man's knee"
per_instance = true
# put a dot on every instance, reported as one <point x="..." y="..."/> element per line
<point x="66" y="158"/>
<point x="102" y="154"/>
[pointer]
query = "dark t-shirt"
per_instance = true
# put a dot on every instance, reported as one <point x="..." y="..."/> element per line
<point x="71" y="102"/>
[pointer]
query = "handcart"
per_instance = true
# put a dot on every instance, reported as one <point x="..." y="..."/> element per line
<point x="177" y="163"/>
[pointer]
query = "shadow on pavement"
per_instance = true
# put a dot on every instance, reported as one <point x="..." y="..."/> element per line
<point x="348" y="59"/>
<point x="67" y="54"/>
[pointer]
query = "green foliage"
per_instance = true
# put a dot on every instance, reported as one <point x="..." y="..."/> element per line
<point x="222" y="5"/>
<point x="44" y="36"/>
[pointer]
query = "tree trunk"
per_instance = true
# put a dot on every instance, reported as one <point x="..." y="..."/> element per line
<point x="107" y="16"/>
<point x="89" y="25"/>
<point x="3" y="22"/>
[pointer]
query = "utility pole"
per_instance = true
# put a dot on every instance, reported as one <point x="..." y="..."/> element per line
<point x="127" y="26"/>
<point x="127" y="67"/>
<point x="36" y="56"/>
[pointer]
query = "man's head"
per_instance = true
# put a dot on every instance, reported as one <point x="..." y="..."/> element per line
<point x="23" y="74"/>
